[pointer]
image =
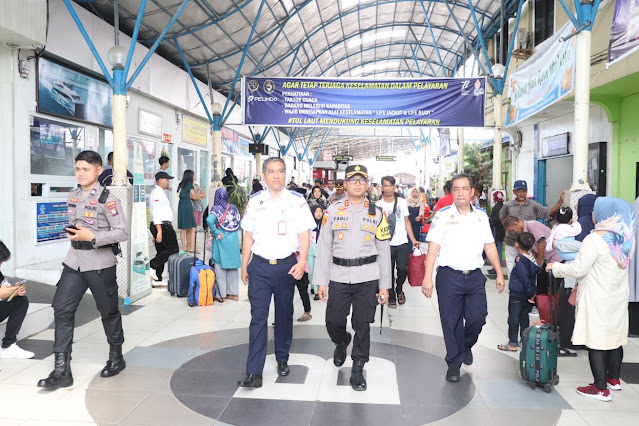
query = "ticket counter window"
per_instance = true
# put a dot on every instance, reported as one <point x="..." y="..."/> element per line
<point x="54" y="146"/>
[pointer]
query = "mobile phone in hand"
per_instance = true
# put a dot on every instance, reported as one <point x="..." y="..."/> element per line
<point x="66" y="228"/>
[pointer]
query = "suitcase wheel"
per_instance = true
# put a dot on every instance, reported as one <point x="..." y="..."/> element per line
<point x="532" y="385"/>
<point x="547" y="388"/>
<point x="556" y="380"/>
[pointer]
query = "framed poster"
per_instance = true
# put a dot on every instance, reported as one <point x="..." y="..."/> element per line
<point x="149" y="123"/>
<point x="51" y="218"/>
<point x="71" y="94"/>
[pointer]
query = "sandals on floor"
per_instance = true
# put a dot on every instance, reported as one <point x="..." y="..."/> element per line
<point x="401" y="298"/>
<point x="506" y="348"/>
<point x="305" y="317"/>
<point x="566" y="353"/>
<point x="316" y="297"/>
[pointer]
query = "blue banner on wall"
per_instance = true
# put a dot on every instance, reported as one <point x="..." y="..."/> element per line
<point x="51" y="218"/>
<point x="324" y="102"/>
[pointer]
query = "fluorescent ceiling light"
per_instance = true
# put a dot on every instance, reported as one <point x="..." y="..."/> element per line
<point x="350" y="3"/>
<point x="376" y="35"/>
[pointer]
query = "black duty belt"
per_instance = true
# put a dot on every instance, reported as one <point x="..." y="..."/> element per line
<point x="459" y="272"/>
<point x="274" y="261"/>
<point x="355" y="262"/>
<point x="87" y="245"/>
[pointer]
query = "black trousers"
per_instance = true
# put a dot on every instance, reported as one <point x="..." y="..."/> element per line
<point x="605" y="364"/>
<point x="566" y="319"/>
<point x="462" y="310"/>
<point x="362" y="297"/>
<point x="16" y="311"/>
<point x="399" y="261"/>
<point x="166" y="248"/>
<point x="302" y="289"/>
<point x="71" y="288"/>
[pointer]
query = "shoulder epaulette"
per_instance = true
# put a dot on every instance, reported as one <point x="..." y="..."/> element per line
<point x="297" y="194"/>
<point x="443" y="209"/>
<point x="257" y="193"/>
<point x="480" y="209"/>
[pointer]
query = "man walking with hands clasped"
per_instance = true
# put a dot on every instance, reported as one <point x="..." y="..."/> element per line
<point x="459" y="234"/>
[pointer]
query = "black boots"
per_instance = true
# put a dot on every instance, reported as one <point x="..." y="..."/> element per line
<point x="251" y="381"/>
<point x="358" y="382"/>
<point x="283" y="368"/>
<point x="61" y="376"/>
<point x="339" y="356"/>
<point x="115" y="364"/>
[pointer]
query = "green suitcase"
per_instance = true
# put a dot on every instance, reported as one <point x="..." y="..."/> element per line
<point x="538" y="357"/>
<point x="540" y="345"/>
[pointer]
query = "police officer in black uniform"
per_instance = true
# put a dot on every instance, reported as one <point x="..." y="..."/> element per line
<point x="353" y="261"/>
<point x="97" y="225"/>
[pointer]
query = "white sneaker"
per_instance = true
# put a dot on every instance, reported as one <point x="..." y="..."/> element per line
<point x="154" y="276"/>
<point x="15" y="352"/>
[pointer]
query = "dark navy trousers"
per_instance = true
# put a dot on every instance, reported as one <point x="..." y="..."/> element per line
<point x="462" y="309"/>
<point x="267" y="281"/>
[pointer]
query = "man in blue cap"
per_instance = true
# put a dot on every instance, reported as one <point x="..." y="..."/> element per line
<point x="523" y="208"/>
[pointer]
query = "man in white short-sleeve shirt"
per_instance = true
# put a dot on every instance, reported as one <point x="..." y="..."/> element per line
<point x="459" y="234"/>
<point x="277" y="225"/>
<point x="400" y="246"/>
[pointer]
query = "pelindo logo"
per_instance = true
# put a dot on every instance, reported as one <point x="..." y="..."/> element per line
<point x="262" y="99"/>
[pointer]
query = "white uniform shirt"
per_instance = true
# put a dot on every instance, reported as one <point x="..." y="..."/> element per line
<point x="461" y="238"/>
<point x="276" y="223"/>
<point x="400" y="236"/>
<point x="160" y="208"/>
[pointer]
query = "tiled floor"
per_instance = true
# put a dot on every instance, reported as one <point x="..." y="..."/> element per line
<point x="182" y="365"/>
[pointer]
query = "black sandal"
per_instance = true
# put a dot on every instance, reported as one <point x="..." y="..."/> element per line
<point x="563" y="352"/>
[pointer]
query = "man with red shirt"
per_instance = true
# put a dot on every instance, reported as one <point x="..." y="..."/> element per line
<point x="447" y="199"/>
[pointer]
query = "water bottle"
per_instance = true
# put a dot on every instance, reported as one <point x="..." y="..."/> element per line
<point x="127" y="301"/>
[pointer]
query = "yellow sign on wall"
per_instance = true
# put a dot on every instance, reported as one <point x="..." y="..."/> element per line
<point x="194" y="131"/>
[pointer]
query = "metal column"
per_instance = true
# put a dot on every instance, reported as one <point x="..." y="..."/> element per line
<point x="497" y="140"/>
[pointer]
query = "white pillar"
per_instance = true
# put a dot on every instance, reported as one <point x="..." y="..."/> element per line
<point x="582" y="113"/>
<point x="460" y="152"/>
<point x="258" y="166"/>
<point x="119" y="141"/>
<point x="441" y="174"/>
<point x="217" y="157"/>
<point x="497" y="140"/>
<point x="8" y="73"/>
<point x="299" y="172"/>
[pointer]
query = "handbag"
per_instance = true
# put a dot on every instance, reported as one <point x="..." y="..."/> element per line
<point x="416" y="267"/>
<point x="572" y="299"/>
<point x="209" y="242"/>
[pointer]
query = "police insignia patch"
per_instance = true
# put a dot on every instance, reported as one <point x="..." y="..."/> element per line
<point x="383" y="231"/>
<point x="94" y="202"/>
<point x="73" y="200"/>
<point x="340" y="236"/>
<point x="367" y="238"/>
<point x="89" y="222"/>
<point x="89" y="214"/>
<point x="113" y="208"/>
<point x="324" y="219"/>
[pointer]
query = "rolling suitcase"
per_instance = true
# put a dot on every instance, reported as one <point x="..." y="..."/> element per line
<point x="201" y="282"/>
<point x="538" y="356"/>
<point x="179" y="272"/>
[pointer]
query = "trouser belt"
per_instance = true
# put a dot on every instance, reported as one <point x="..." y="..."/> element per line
<point x="274" y="261"/>
<point x="355" y="262"/>
<point x="459" y="272"/>
<point x="87" y="245"/>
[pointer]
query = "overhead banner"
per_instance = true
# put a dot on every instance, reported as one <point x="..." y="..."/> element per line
<point x="70" y="94"/>
<point x="624" y="34"/>
<point x="544" y="79"/>
<point x="328" y="102"/>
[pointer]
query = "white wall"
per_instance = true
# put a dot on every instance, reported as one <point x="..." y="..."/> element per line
<point x="600" y="131"/>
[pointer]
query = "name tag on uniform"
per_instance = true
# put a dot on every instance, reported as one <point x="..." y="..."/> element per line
<point x="281" y="228"/>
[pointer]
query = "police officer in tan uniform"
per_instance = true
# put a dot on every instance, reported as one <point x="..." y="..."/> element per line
<point x="339" y="193"/>
<point x="97" y="226"/>
<point x="353" y="260"/>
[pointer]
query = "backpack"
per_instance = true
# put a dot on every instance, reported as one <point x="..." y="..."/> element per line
<point x="392" y="219"/>
<point x="201" y="285"/>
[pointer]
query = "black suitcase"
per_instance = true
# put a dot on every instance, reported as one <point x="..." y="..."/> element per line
<point x="179" y="272"/>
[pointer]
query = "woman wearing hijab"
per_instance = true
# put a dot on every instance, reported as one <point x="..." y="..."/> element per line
<point x="601" y="319"/>
<point x="256" y="187"/>
<point x="415" y="210"/>
<point x="317" y="199"/>
<point x="585" y="207"/>
<point x="224" y="222"/>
